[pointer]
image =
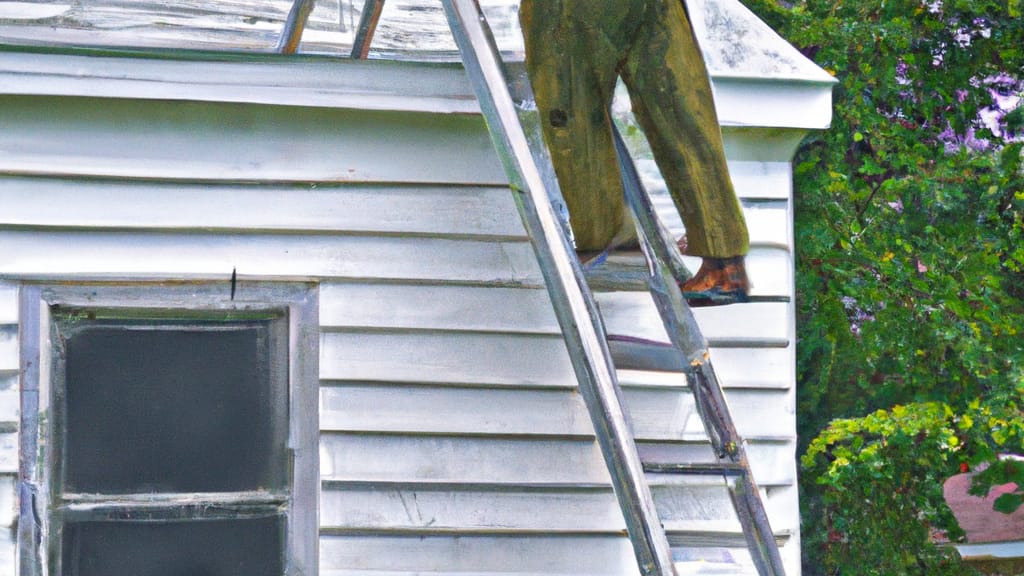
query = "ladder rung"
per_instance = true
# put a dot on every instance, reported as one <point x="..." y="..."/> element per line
<point x="712" y="469"/>
<point x="696" y="538"/>
<point x="630" y="353"/>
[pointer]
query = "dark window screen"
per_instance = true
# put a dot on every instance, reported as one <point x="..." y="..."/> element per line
<point x="172" y="409"/>
<point x="245" y="547"/>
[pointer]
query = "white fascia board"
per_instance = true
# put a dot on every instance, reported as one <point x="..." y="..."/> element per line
<point x="991" y="550"/>
<point x="755" y="102"/>
<point x="262" y="79"/>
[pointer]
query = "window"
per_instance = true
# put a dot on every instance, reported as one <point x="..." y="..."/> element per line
<point x="169" y="430"/>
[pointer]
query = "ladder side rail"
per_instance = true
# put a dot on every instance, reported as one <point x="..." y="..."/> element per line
<point x="294" y="26"/>
<point x="744" y="492"/>
<point x="368" y="20"/>
<point x="574" y="306"/>
<point x="685" y="334"/>
<point x="746" y="498"/>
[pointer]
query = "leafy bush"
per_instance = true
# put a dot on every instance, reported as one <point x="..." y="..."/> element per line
<point x="880" y="480"/>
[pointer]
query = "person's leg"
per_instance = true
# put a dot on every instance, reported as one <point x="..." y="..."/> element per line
<point x="672" y="99"/>
<point x="572" y="69"/>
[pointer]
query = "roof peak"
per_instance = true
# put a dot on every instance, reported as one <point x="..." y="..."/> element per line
<point x="736" y="43"/>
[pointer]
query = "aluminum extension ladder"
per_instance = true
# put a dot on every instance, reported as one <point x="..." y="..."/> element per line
<point x="577" y="311"/>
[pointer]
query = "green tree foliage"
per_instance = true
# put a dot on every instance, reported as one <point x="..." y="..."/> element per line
<point x="910" y="271"/>
<point x="879" y="481"/>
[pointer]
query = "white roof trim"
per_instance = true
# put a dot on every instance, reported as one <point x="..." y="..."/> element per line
<point x="991" y="550"/>
<point x="737" y="44"/>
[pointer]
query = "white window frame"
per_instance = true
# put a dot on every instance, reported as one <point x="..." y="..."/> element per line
<point x="294" y="307"/>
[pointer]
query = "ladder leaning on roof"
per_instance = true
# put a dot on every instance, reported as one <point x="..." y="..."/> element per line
<point x="577" y="311"/>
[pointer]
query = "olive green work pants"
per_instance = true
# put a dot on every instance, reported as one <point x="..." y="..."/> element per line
<point x="575" y="52"/>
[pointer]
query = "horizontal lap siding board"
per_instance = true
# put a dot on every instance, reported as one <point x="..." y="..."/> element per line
<point x="422" y="508"/>
<point x="634" y="314"/>
<point x="474" y="211"/>
<point x="408" y="555"/>
<point x="104" y="137"/>
<point x="351" y="306"/>
<point x="8" y="349"/>
<point x="515" y="461"/>
<point x="666" y="414"/>
<point x="766" y="219"/>
<point x="203" y="255"/>
<point x="8" y="303"/>
<point x="492" y="359"/>
<point x="355" y="305"/>
<point x="208" y="255"/>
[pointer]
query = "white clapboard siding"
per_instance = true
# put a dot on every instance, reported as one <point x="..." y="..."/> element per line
<point x="510" y="360"/>
<point x="8" y="452"/>
<point x="8" y="516"/>
<point x="10" y="399"/>
<point x="446" y="358"/>
<point x="732" y="365"/>
<point x="761" y="180"/>
<point x="512" y="460"/>
<point x="8" y="501"/>
<point x="470" y="460"/>
<point x="492" y="555"/>
<point x="8" y="302"/>
<point x="771" y="462"/>
<point x="316" y="207"/>
<point x="710" y="502"/>
<point x="766" y="219"/>
<point x="210" y="141"/>
<point x="429" y="508"/>
<point x="657" y="414"/>
<point x="425" y="509"/>
<point x="437" y="307"/>
<point x="521" y="310"/>
<point x="754" y="367"/>
<point x="98" y="254"/>
<point x="8" y="549"/>
<point x="634" y="314"/>
<point x="206" y="255"/>
<point x="8" y="349"/>
<point x="768" y="223"/>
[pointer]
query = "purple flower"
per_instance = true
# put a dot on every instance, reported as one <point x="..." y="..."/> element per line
<point x="974" y="143"/>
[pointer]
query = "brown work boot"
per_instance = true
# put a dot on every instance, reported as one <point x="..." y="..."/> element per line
<point x="719" y="281"/>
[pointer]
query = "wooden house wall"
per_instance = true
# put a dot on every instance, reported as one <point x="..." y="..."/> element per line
<point x="453" y="439"/>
